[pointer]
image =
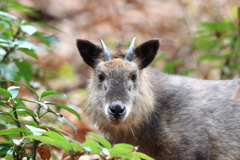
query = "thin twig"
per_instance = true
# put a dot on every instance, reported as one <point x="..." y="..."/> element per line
<point x="34" y="149"/>
<point x="16" y="116"/>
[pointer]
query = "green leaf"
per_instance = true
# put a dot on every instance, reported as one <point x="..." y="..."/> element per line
<point x="136" y="158"/>
<point x="52" y="39"/>
<point x="63" y="119"/>
<point x="24" y="112"/>
<point x="65" y="145"/>
<point x="9" y="155"/>
<point x="66" y="108"/>
<point x="187" y="72"/>
<point x="26" y="44"/>
<point x="29" y="52"/>
<point x="235" y="13"/>
<point x="23" y="85"/>
<point x="13" y="131"/>
<point x="120" y="149"/>
<point x="91" y="146"/>
<point x="47" y="40"/>
<point x="206" y="57"/>
<point x="29" y="29"/>
<point x="225" y="69"/>
<point x="117" y="152"/>
<point x="28" y="122"/>
<point x="4" y="148"/>
<point x="6" y="117"/>
<point x="33" y="101"/>
<point x="6" y="142"/>
<point x="101" y="140"/>
<point x="7" y="15"/>
<point x="42" y="24"/>
<point x="17" y="141"/>
<point x="124" y="146"/>
<point x="130" y="156"/>
<point x="76" y="146"/>
<point x="20" y="112"/>
<point x="159" y="58"/>
<point x="143" y="156"/>
<point x="5" y="41"/>
<point x="25" y="69"/>
<point x="8" y="71"/>
<point x="55" y="136"/>
<point x="20" y="103"/>
<point x="42" y="37"/>
<point x="88" y="150"/>
<point x="36" y="131"/>
<point x="170" y="66"/>
<point x="58" y="130"/>
<point x="105" y="152"/>
<point x="3" y="103"/>
<point x="24" y="9"/>
<point x="14" y="91"/>
<point x="49" y="93"/>
<point x="54" y="129"/>
<point x="235" y="65"/>
<point x="5" y="93"/>
<point x="2" y="52"/>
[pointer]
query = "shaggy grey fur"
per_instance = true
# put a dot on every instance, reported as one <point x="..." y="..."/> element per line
<point x="169" y="117"/>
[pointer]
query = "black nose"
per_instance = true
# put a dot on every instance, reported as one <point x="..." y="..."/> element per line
<point x="117" y="110"/>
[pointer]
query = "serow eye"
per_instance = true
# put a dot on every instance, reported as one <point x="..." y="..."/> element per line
<point x="134" y="78"/>
<point x="101" y="78"/>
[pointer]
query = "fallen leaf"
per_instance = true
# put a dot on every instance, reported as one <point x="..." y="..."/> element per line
<point x="44" y="152"/>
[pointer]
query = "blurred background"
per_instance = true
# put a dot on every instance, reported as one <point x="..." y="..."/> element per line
<point x="198" y="39"/>
<point x="180" y="24"/>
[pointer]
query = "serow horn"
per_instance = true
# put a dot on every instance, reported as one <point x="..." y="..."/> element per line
<point x="107" y="56"/>
<point x="129" y="55"/>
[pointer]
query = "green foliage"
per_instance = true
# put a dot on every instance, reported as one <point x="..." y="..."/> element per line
<point x="218" y="41"/>
<point x="159" y="58"/>
<point x="171" y="66"/>
<point x="32" y="133"/>
<point x="29" y="129"/>
<point x="16" y="41"/>
<point x="49" y="93"/>
<point x="6" y="5"/>
<point x="64" y="107"/>
<point x="102" y="147"/>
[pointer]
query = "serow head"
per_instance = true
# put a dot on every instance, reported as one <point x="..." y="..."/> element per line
<point x="116" y="87"/>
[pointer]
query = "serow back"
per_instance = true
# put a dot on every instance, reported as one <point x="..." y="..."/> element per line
<point x="168" y="116"/>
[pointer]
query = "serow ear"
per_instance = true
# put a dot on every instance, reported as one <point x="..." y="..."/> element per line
<point x="146" y="52"/>
<point x="89" y="51"/>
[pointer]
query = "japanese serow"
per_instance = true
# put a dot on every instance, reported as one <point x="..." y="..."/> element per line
<point x="169" y="117"/>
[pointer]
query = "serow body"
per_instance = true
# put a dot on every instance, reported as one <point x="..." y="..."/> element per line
<point x="169" y="117"/>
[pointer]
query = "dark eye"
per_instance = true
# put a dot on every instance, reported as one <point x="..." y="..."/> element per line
<point x="101" y="78"/>
<point x="134" y="77"/>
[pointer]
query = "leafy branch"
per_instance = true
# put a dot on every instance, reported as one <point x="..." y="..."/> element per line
<point x="12" y="49"/>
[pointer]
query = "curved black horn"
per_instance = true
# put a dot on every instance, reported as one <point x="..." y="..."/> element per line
<point x="129" y="55"/>
<point x="105" y="51"/>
